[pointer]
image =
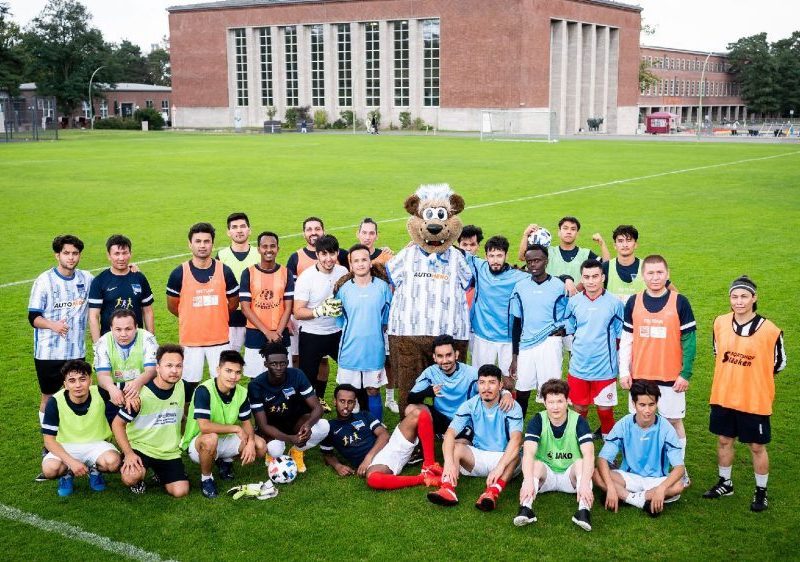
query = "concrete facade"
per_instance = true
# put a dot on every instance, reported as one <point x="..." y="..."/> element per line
<point x="566" y="56"/>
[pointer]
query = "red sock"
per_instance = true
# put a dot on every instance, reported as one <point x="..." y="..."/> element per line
<point x="497" y="487"/>
<point x="381" y="481"/>
<point x="425" y="433"/>
<point x="606" y="416"/>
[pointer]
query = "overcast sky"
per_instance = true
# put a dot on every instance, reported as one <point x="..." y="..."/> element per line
<point x="702" y="25"/>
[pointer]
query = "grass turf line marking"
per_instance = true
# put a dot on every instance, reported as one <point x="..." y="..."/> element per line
<point x="484" y="205"/>
<point x="76" y="533"/>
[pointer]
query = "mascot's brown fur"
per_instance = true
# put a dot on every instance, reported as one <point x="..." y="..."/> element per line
<point x="434" y="226"/>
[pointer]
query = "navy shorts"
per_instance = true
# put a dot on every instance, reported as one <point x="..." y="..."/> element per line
<point x="748" y="428"/>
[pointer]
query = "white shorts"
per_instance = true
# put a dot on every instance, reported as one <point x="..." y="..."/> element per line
<point x="485" y="352"/>
<point x="361" y="379"/>
<point x="671" y="405"/>
<point x="254" y="363"/>
<point x="195" y="357"/>
<point x="485" y="462"/>
<point x="557" y="482"/>
<point x="538" y="364"/>
<point x="227" y="448"/>
<point x="294" y="344"/>
<point x="396" y="453"/>
<point x="607" y="398"/>
<point x="386" y="343"/>
<point x="87" y="453"/>
<point x="635" y="483"/>
<point x="236" y="337"/>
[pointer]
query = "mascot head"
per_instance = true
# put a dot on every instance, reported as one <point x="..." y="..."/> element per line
<point x="434" y="224"/>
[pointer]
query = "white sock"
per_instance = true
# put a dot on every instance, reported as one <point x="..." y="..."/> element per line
<point x="93" y="470"/>
<point x="725" y="472"/>
<point x="682" y="441"/>
<point x="390" y="395"/>
<point x="581" y="503"/>
<point x="41" y="417"/>
<point x="276" y="448"/>
<point x="204" y="477"/>
<point x="761" y="480"/>
<point x="527" y="503"/>
<point x="319" y="431"/>
<point x="636" y="500"/>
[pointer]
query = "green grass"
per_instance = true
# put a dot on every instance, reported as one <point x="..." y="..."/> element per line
<point x="712" y="224"/>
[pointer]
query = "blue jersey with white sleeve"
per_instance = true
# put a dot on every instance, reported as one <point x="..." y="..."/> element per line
<point x="365" y="312"/>
<point x="491" y="427"/>
<point x="648" y="452"/>
<point x="541" y="308"/>
<point x="489" y="312"/>
<point x="456" y="388"/>
<point x="597" y="325"/>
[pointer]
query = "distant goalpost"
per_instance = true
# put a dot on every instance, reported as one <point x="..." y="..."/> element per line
<point x="522" y="125"/>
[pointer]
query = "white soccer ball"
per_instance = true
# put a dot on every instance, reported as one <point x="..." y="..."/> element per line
<point x="282" y="470"/>
<point x="541" y="236"/>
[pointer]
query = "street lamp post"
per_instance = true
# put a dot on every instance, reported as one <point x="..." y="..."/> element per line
<point x="702" y="91"/>
<point x="91" y="112"/>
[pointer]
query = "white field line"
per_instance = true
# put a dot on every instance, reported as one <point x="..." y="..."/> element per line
<point x="490" y="204"/>
<point x="77" y="534"/>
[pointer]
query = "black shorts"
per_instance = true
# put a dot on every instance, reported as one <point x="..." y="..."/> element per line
<point x="442" y="422"/>
<point x="749" y="428"/>
<point x="312" y="349"/>
<point x="168" y="471"/>
<point x="48" y="371"/>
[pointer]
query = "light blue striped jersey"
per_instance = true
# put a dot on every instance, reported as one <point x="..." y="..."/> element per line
<point x="491" y="427"/>
<point x="489" y="313"/>
<point x="457" y="387"/>
<point x="597" y="325"/>
<point x="540" y="306"/>
<point x="365" y="311"/>
<point x="647" y="452"/>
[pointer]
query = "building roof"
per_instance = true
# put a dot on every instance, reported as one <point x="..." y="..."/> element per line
<point x="686" y="51"/>
<point x="120" y="87"/>
<point x="225" y="4"/>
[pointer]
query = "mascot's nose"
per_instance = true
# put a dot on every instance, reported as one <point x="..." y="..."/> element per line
<point x="435" y="228"/>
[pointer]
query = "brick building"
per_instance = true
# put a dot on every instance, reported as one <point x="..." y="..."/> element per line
<point x="681" y="79"/>
<point x="442" y="60"/>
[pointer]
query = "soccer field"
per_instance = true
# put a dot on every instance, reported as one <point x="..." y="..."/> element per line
<point x="715" y="211"/>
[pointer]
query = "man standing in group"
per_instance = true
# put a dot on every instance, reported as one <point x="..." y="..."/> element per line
<point x="266" y="294"/>
<point x="218" y="427"/>
<point x="494" y="281"/>
<point x="57" y="310"/>
<point x="594" y="316"/>
<point x="285" y="407"/>
<point x="150" y="435"/>
<point x="494" y="450"/>
<point x="749" y="353"/>
<point x="316" y="311"/>
<point x="125" y="361"/>
<point x="119" y="288"/>
<point x="367" y="235"/>
<point x="202" y="292"/>
<point x="624" y="273"/>
<point x="469" y="241"/>
<point x="238" y="256"/>
<point x="659" y="343"/>
<point x="538" y="305"/>
<point x="365" y="311"/>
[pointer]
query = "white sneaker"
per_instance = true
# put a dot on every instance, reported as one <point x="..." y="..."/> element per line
<point x="392" y="406"/>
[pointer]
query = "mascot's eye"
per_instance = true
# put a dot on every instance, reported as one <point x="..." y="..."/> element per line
<point x="429" y="214"/>
<point x="441" y="213"/>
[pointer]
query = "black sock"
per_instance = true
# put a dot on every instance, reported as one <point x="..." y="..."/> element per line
<point x="363" y="399"/>
<point x="523" y="396"/>
<point x="188" y="389"/>
<point x="319" y="388"/>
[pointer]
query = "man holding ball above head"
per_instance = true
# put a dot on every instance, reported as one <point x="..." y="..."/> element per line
<point x="749" y="353"/>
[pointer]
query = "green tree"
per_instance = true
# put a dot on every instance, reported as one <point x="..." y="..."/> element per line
<point x="65" y="49"/>
<point x="158" y="66"/>
<point x="12" y="59"/>
<point x="787" y="68"/>
<point x="754" y="68"/>
<point x="646" y="76"/>
<point x="128" y="64"/>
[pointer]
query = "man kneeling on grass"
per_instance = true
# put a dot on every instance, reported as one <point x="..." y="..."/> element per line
<point x="76" y="432"/>
<point x="218" y="425"/>
<point x="364" y="442"/>
<point x="649" y="446"/>
<point x="558" y="456"/>
<point x="494" y="452"/>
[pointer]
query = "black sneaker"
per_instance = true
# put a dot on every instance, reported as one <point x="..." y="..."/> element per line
<point x="416" y="456"/>
<point x="648" y="509"/>
<point x="139" y="488"/>
<point x="209" y="488"/>
<point x="597" y="435"/>
<point x="225" y="469"/>
<point x="40" y="478"/>
<point x="721" y="489"/>
<point x="525" y="516"/>
<point x="759" y="500"/>
<point x="583" y="519"/>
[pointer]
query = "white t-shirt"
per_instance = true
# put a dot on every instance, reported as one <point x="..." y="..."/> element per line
<point x="314" y="287"/>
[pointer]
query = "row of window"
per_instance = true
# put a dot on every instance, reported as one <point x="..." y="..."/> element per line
<point x="692" y="88"/>
<point x="695" y="64"/>
<point x="127" y="107"/>
<point x="371" y="64"/>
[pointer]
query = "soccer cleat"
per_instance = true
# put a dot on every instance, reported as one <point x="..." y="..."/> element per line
<point x="41" y="478"/>
<point x="759" y="502"/>
<point x="225" y="469"/>
<point x="416" y="456"/>
<point x="672" y="499"/>
<point x="432" y="475"/>
<point x="65" y="485"/>
<point x="392" y="406"/>
<point x="583" y="519"/>
<point x="525" y="516"/>
<point x="722" y="488"/>
<point x="487" y="501"/>
<point x="648" y="509"/>
<point x="96" y="481"/>
<point x="299" y="458"/>
<point x="139" y="488"/>
<point x="443" y="496"/>
<point x="325" y="407"/>
<point x="209" y="488"/>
